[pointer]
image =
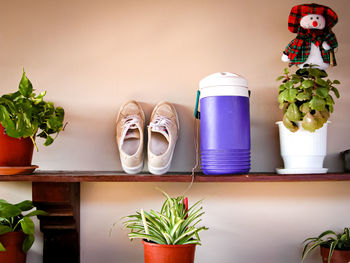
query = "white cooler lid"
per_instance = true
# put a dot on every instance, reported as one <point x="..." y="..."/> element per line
<point x="223" y="84"/>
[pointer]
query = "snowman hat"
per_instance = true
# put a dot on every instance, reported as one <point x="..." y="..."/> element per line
<point x="300" y="11"/>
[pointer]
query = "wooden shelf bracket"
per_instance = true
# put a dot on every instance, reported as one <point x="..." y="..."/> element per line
<point x="61" y="227"/>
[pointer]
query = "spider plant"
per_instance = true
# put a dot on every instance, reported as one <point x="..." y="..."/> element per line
<point x="328" y="239"/>
<point x="175" y="224"/>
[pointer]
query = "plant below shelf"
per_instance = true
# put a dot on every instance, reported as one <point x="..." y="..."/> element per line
<point x="175" y="224"/>
<point x="12" y="219"/>
<point x="23" y="113"/>
<point x="305" y="96"/>
<point x="328" y="239"/>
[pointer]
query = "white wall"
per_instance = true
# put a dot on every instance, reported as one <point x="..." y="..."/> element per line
<point x="91" y="56"/>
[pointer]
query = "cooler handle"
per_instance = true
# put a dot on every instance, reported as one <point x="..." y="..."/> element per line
<point x="197" y="114"/>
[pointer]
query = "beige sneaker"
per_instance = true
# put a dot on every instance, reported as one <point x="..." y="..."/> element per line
<point x="130" y="136"/>
<point x="162" y="136"/>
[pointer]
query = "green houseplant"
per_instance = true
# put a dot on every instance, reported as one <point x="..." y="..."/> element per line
<point x="170" y="235"/>
<point x="306" y="98"/>
<point x="335" y="247"/>
<point x="24" y="116"/>
<point x="16" y="230"/>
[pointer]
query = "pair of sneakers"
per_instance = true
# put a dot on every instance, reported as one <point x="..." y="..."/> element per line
<point x="163" y="132"/>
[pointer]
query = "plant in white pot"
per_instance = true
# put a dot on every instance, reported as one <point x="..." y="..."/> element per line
<point x="171" y="235"/>
<point x="307" y="102"/>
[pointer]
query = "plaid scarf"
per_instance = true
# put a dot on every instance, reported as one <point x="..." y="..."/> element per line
<point x="298" y="50"/>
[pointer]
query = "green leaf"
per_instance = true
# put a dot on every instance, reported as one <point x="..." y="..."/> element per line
<point x="279" y="78"/>
<point x="293" y="113"/>
<point x="336" y="81"/>
<point x="39" y="98"/>
<point x="36" y="213"/>
<point x="329" y="100"/>
<point x="336" y="92"/>
<point x="322" y="92"/>
<point x="27" y="243"/>
<point x="288" y="95"/>
<point x="317" y="73"/>
<point x="27" y="225"/>
<point x="307" y="250"/>
<point x="321" y="82"/>
<point x="49" y="140"/>
<point x="25" y="205"/>
<point x="286" y="71"/>
<point x="320" y="120"/>
<point x="307" y="84"/>
<point x="303" y="96"/>
<point x="2" y="248"/>
<point x="331" y="250"/>
<point x="54" y="123"/>
<point x="304" y="108"/>
<point x="9" y="210"/>
<point x="309" y="123"/>
<point x="25" y="86"/>
<point x="317" y="103"/>
<point x="60" y="115"/>
<point x="4" y="229"/>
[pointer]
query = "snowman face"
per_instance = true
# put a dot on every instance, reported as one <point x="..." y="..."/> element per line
<point x="313" y="22"/>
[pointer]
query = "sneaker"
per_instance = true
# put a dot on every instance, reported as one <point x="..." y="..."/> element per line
<point x="130" y="136"/>
<point x="162" y="136"/>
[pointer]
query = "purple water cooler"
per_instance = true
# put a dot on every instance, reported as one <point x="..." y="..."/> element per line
<point x="225" y="124"/>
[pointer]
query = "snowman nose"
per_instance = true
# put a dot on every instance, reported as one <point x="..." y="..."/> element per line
<point x="315" y="24"/>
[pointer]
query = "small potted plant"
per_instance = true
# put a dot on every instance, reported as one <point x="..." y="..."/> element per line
<point x="22" y="115"/>
<point x="171" y="235"/>
<point x="16" y="230"/>
<point x="335" y="248"/>
<point x="306" y="98"/>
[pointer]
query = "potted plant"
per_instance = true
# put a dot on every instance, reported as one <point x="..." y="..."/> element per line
<point x="171" y="235"/>
<point x="22" y="115"/>
<point x="306" y="98"/>
<point x="16" y="230"/>
<point x="335" y="248"/>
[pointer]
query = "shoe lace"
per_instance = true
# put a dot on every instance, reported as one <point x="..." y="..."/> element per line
<point x="160" y="122"/>
<point x="130" y="120"/>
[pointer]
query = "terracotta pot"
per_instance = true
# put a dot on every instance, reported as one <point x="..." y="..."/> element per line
<point x="13" y="243"/>
<point x="156" y="253"/>
<point x="15" y="152"/>
<point x="339" y="256"/>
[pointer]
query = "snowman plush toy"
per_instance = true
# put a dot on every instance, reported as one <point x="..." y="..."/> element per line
<point x="315" y="41"/>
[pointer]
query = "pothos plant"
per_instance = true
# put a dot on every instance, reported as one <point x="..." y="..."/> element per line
<point x="328" y="239"/>
<point x="23" y="113"/>
<point x="306" y="96"/>
<point x="12" y="219"/>
<point x="175" y="224"/>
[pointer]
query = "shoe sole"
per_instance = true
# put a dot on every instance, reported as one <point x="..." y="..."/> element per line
<point x="160" y="170"/>
<point x="165" y="169"/>
<point x="132" y="170"/>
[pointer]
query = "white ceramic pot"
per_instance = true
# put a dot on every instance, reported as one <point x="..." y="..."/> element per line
<point x="302" y="151"/>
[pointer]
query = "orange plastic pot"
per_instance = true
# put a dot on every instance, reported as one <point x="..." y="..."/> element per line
<point x="156" y="253"/>
<point x="339" y="256"/>
<point x="12" y="241"/>
<point x="15" y="152"/>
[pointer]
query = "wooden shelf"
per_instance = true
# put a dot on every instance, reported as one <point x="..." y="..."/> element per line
<point x="96" y="176"/>
<point x="58" y="193"/>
